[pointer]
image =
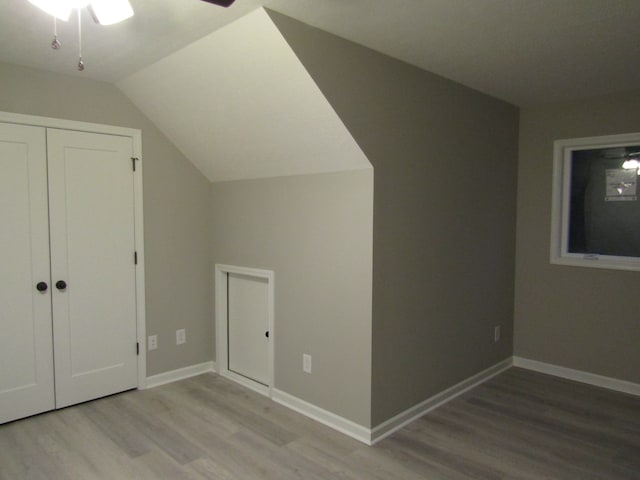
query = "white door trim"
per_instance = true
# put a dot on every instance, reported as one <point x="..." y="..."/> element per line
<point x="136" y="136"/>
<point x="222" y="357"/>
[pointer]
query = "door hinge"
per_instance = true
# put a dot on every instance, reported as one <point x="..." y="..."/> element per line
<point x="137" y="348"/>
<point x="133" y="162"/>
<point x="135" y="258"/>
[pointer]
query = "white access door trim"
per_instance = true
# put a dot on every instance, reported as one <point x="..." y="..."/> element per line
<point x="222" y="272"/>
<point x="26" y="356"/>
<point x="136" y="137"/>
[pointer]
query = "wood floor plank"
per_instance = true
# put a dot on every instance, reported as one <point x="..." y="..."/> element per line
<point x="386" y="461"/>
<point x="336" y="463"/>
<point x="21" y="456"/>
<point x="462" y="441"/>
<point x="516" y="447"/>
<point x="108" y="419"/>
<point x="170" y="441"/>
<point x="581" y="408"/>
<point x="582" y="437"/>
<point x="214" y="393"/>
<point x="520" y="425"/>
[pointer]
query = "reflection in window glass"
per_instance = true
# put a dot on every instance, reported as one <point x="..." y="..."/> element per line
<point x="604" y="211"/>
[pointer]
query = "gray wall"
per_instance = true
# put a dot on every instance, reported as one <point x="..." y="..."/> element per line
<point x="176" y="208"/>
<point x="445" y="163"/>
<point x="315" y="233"/>
<point x="580" y="318"/>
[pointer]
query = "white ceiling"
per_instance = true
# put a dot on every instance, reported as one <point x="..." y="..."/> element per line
<point x="250" y="110"/>
<point x="523" y="51"/>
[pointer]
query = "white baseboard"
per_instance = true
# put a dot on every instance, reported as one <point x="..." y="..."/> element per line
<point x="371" y="436"/>
<point x="383" y="430"/>
<point x="179" y="374"/>
<point x="325" y="417"/>
<point x="578" y="376"/>
<point x="246" y="382"/>
<point x="404" y="418"/>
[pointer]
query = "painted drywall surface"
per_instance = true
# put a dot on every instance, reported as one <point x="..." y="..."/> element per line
<point x="176" y="208"/>
<point x="580" y="318"/>
<point x="445" y="163"/>
<point x="315" y="233"/>
<point x="244" y="95"/>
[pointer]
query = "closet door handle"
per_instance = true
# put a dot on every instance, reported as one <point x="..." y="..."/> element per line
<point x="42" y="286"/>
<point x="61" y="284"/>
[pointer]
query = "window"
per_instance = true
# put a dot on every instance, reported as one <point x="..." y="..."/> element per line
<point x="596" y="211"/>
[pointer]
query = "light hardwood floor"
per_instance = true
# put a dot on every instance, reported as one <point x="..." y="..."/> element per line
<point x="519" y="425"/>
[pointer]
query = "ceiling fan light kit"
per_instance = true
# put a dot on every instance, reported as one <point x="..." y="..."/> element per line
<point x="108" y="12"/>
<point x="60" y="10"/>
<point x="103" y="12"/>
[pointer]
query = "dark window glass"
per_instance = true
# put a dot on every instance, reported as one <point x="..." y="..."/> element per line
<point x="604" y="210"/>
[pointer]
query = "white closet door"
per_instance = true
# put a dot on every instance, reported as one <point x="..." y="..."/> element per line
<point x="26" y="358"/>
<point x="91" y="202"/>
<point x="248" y="322"/>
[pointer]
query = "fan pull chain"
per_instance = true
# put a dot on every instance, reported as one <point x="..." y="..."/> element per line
<point x="55" y="44"/>
<point x="80" y="61"/>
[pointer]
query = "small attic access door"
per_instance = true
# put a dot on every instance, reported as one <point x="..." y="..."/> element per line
<point x="244" y="326"/>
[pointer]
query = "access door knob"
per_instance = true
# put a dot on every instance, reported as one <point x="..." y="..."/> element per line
<point x="61" y="284"/>
<point x="42" y="286"/>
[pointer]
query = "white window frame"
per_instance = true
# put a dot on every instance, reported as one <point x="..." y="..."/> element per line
<point x="560" y="254"/>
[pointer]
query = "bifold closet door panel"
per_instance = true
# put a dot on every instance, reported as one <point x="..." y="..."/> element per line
<point x="91" y="205"/>
<point x="26" y="357"/>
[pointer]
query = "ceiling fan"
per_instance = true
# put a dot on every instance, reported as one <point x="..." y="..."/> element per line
<point x="220" y="3"/>
<point x="104" y="12"/>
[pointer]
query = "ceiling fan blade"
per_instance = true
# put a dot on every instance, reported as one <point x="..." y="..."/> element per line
<point x="220" y="3"/>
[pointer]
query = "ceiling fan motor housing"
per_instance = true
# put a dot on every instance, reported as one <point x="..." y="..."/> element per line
<point x="221" y="3"/>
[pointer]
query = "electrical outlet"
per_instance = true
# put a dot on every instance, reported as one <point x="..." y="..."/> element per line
<point x="496" y="333"/>
<point x="181" y="336"/>
<point x="306" y="363"/>
<point x="152" y="343"/>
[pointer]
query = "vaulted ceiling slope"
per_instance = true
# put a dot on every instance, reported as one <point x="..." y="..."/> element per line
<point x="526" y="52"/>
<point x="240" y="105"/>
